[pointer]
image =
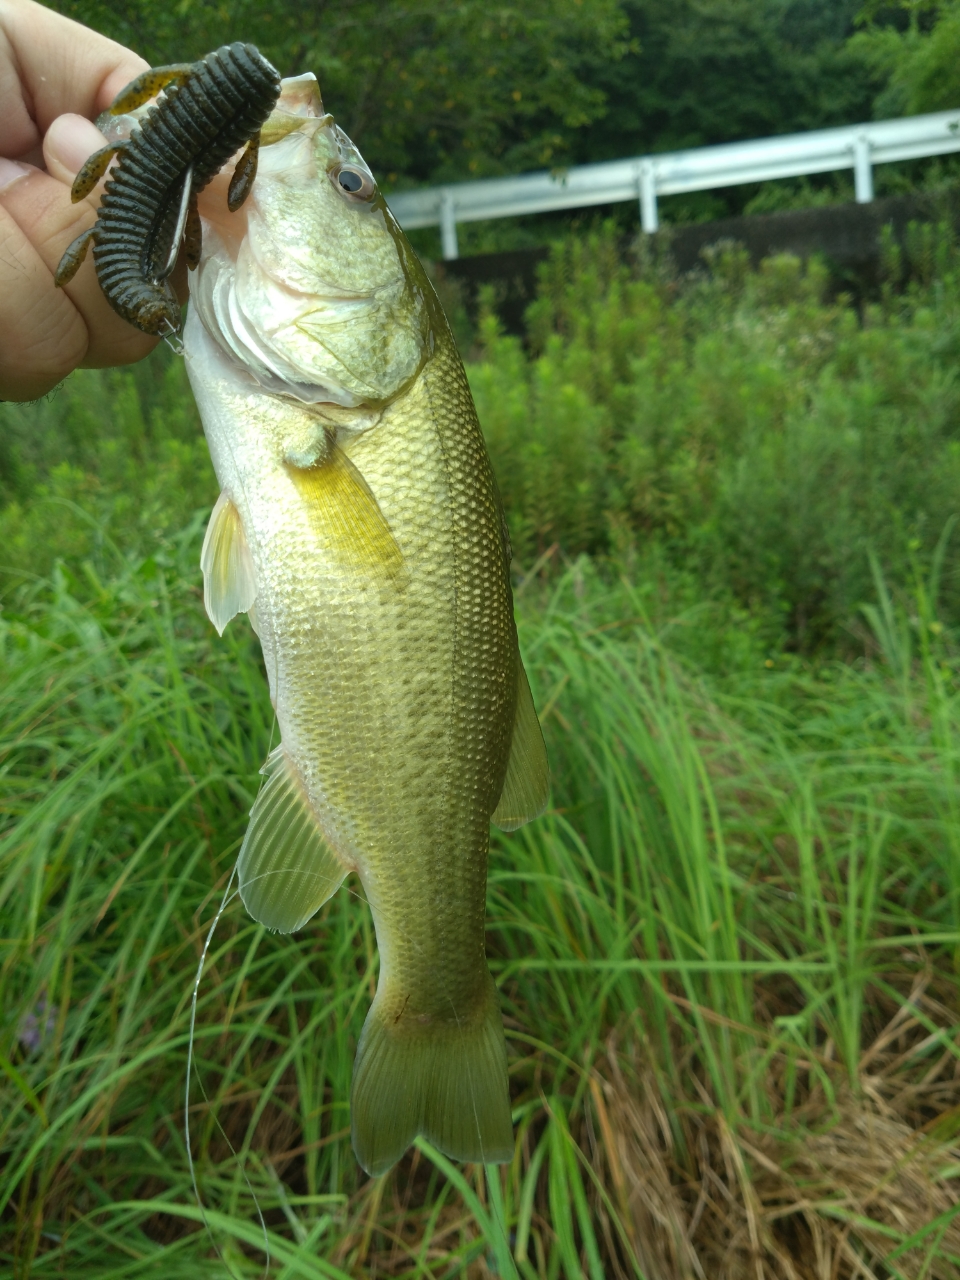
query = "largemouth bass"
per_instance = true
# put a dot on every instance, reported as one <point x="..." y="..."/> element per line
<point x="360" y="526"/>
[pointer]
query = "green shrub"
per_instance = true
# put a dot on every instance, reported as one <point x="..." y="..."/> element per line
<point x="762" y="433"/>
<point x="740" y="428"/>
<point x="110" y="455"/>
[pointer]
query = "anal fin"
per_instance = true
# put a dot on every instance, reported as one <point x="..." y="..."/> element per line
<point x="526" y="787"/>
<point x="229" y="581"/>
<point x="287" y="870"/>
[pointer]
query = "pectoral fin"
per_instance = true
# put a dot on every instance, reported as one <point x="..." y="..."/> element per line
<point x="527" y="784"/>
<point x="229" y="582"/>
<point x="287" y="870"/>
<point x="347" y="518"/>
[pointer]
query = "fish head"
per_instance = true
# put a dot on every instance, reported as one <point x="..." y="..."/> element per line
<point x="311" y="287"/>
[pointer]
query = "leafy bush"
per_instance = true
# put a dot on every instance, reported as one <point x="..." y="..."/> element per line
<point x="111" y="455"/>
<point x="759" y="431"/>
<point x="740" y="429"/>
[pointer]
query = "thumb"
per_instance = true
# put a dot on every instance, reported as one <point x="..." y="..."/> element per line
<point x="68" y="143"/>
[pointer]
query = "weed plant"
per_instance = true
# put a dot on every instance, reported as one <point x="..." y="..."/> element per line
<point x="763" y="435"/>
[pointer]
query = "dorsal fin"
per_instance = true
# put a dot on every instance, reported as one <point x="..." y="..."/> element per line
<point x="229" y="582"/>
<point x="526" y="787"/>
<point x="287" y="870"/>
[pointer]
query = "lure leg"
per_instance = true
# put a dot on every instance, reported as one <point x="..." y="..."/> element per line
<point x="75" y="253"/>
<point x="193" y="236"/>
<point x="148" y="84"/>
<point x="93" y="170"/>
<point x="244" y="174"/>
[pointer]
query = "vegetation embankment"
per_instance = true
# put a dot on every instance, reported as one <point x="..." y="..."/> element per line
<point x="727" y="955"/>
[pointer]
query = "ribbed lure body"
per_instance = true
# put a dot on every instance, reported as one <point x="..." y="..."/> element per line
<point x="209" y="110"/>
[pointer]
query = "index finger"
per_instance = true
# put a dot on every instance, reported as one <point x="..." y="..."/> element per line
<point x="60" y="66"/>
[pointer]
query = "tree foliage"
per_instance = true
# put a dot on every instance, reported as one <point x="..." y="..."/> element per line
<point x="433" y="90"/>
<point x="428" y="90"/>
<point x="915" y="49"/>
<point x="705" y="71"/>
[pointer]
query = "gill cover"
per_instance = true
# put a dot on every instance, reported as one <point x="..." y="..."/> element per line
<point x="313" y="297"/>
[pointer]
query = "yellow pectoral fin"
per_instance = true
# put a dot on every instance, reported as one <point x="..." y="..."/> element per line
<point x="346" y="517"/>
<point x="229" y="582"/>
<point x="286" y="869"/>
<point x="527" y="784"/>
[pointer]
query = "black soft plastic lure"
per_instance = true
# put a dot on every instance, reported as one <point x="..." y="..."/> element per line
<point x="209" y="110"/>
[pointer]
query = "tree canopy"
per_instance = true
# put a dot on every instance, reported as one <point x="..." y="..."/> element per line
<point x="436" y="90"/>
<point x="914" y="49"/>
<point x="428" y="90"/>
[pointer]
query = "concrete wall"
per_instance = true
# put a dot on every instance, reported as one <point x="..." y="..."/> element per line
<point x="846" y="235"/>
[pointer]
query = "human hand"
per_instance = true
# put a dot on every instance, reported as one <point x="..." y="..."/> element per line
<point x="55" y="75"/>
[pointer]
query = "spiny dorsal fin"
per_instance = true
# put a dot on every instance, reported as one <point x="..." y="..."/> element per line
<point x="347" y="517"/>
<point x="229" y="583"/>
<point x="287" y="870"/>
<point x="527" y="784"/>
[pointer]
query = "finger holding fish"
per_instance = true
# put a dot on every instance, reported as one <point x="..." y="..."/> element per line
<point x="47" y="332"/>
<point x="49" y="66"/>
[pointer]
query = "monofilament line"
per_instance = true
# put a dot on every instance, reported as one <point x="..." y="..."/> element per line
<point x="228" y="897"/>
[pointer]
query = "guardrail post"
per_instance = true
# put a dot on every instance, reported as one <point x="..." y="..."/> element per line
<point x="862" y="170"/>
<point x="448" y="226"/>
<point x="647" y="182"/>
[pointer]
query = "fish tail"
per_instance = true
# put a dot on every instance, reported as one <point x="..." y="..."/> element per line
<point x="446" y="1081"/>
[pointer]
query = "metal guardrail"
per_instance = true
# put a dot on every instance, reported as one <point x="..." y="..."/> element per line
<point x="858" y="147"/>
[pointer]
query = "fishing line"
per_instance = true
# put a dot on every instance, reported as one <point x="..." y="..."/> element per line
<point x="228" y="897"/>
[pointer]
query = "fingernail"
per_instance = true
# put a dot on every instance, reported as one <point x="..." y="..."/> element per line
<point x="12" y="170"/>
<point x="69" y="141"/>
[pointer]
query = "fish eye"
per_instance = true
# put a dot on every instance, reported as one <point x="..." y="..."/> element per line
<point x="354" y="182"/>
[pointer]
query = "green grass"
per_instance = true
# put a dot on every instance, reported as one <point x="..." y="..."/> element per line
<point x="729" y="944"/>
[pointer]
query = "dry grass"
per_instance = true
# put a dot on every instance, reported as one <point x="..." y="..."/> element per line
<point x="824" y="1191"/>
<point x="810" y="1196"/>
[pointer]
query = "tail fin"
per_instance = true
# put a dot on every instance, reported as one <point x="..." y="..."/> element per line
<point x="446" y="1080"/>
